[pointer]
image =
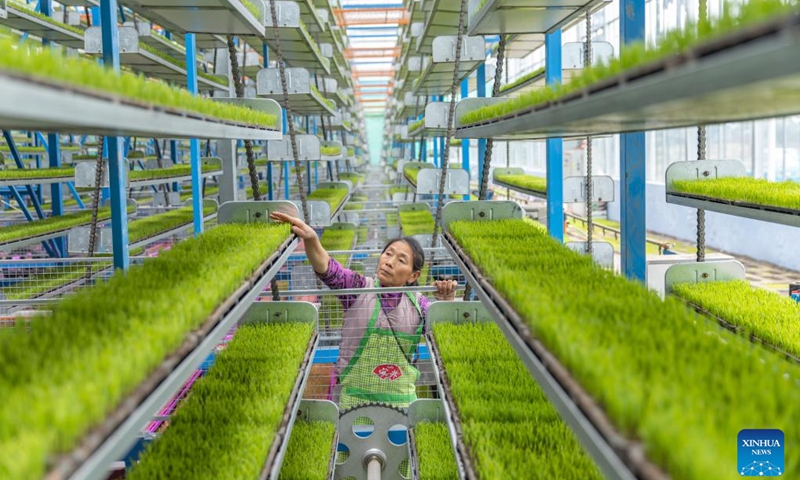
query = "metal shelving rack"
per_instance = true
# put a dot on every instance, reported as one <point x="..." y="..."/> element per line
<point x="512" y="16"/>
<point x="743" y="75"/>
<point x="18" y="19"/>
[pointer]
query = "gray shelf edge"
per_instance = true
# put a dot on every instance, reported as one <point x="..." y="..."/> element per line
<point x="736" y="210"/>
<point x="37" y="181"/>
<point x="28" y="104"/>
<point x="595" y="445"/>
<point x="10" y="8"/>
<point x="165" y="180"/>
<point x="168" y="233"/>
<point x="126" y="434"/>
<point x="533" y="193"/>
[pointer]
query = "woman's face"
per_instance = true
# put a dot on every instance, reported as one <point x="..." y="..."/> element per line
<point x="396" y="266"/>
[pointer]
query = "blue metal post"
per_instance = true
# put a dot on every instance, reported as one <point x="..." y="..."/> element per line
<point x="194" y="144"/>
<point x="555" y="147"/>
<point x="633" y="205"/>
<point x="308" y="164"/>
<point x="116" y="164"/>
<point x="173" y="155"/>
<point x="270" y="193"/>
<point x="465" y="141"/>
<point x="481" y="141"/>
<point x="316" y="164"/>
<point x="285" y="164"/>
<point x="54" y="153"/>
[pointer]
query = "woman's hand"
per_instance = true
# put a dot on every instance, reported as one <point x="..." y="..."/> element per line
<point x="445" y="289"/>
<point x="299" y="227"/>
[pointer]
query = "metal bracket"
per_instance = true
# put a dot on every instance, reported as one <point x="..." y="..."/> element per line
<point x="473" y="49"/>
<point x="426" y="410"/>
<point x="602" y="252"/>
<point x="143" y="29"/>
<point x="3" y="11"/>
<point x="414" y="64"/>
<point x="174" y="199"/>
<point x="319" y="411"/>
<point x="319" y="212"/>
<point x="280" y="312"/>
<point x="78" y="240"/>
<point x="308" y="148"/>
<point x="703" y="170"/>
<point x="424" y="239"/>
<point x="414" y="207"/>
<point x="506" y="171"/>
<point x="349" y="217"/>
<point x="329" y="86"/>
<point x="575" y="189"/>
<point x="456" y="312"/>
<point x="572" y="53"/>
<point x="322" y="13"/>
<point x="268" y="81"/>
<point x="481" y="210"/>
<point x="436" y="115"/>
<point x="67" y="17"/>
<point x="128" y="40"/>
<point x="326" y="49"/>
<point x="703" y="272"/>
<point x="287" y="14"/>
<point x="165" y="162"/>
<point x="85" y="175"/>
<point x="252" y="211"/>
<point x="456" y="182"/>
<point x="469" y="104"/>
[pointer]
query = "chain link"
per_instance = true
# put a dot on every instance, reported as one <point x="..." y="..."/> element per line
<point x="238" y="84"/>
<point x="450" y="120"/>
<point x="701" y="214"/>
<point x="487" y="156"/>
<point x="98" y="181"/>
<point x="587" y="63"/>
<point x="289" y="120"/>
<point x="160" y="162"/>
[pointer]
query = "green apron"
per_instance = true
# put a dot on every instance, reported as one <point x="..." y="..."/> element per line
<point x="380" y="371"/>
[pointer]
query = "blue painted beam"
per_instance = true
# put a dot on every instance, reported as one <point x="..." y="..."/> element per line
<point x="116" y="164"/>
<point x="633" y="205"/>
<point x="555" y="148"/>
<point x="194" y="143"/>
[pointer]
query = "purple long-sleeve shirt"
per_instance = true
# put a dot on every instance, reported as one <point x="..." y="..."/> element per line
<point x="337" y="277"/>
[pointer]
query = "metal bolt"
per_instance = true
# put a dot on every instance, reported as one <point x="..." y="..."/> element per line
<point x="706" y="173"/>
<point x="704" y="275"/>
<point x="258" y="214"/>
<point x="482" y="214"/>
<point x="466" y="314"/>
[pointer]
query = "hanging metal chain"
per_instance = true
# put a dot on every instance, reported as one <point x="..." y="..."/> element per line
<point x="701" y="214"/>
<point x="487" y="157"/>
<point x="587" y="63"/>
<point x="450" y="121"/>
<point x="248" y="145"/>
<point x="160" y="162"/>
<point x="289" y="120"/>
<point x="98" y="181"/>
<point x="701" y="155"/>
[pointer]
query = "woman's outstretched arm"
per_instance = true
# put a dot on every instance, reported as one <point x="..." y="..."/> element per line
<point x="316" y="254"/>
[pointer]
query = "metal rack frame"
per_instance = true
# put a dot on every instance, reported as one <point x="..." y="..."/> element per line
<point x="514" y="16"/>
<point x="21" y="20"/>
<point x="744" y="75"/>
<point x="210" y="17"/>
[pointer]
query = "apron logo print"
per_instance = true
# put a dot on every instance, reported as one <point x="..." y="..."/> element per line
<point x="388" y="371"/>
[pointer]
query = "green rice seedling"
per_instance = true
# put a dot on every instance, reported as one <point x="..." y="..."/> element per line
<point x="355" y="178"/>
<point x="510" y="428"/>
<point x="436" y="459"/>
<point x="309" y="453"/>
<point x="333" y="240"/>
<point x="329" y="103"/>
<point x="252" y="8"/>
<point x="24" y="149"/>
<point x="163" y="222"/>
<point x="33" y="173"/>
<point x="528" y="182"/>
<point x="673" y="43"/>
<point x="208" y="192"/>
<point x="416" y="125"/>
<point x="262" y="189"/>
<point x="362" y="234"/>
<point x="756" y="191"/>
<point x="23" y="7"/>
<point x="773" y="318"/>
<point x="392" y="219"/>
<point x="225" y="428"/>
<point x="614" y="336"/>
<point x="334" y="196"/>
<point x="181" y="170"/>
<point x="47" y="225"/>
<point x="528" y="76"/>
<point x="331" y="151"/>
<point x="324" y="61"/>
<point x="351" y="152"/>
<point x="404" y="190"/>
<point x="50" y="66"/>
<point x="101" y="343"/>
<point x="411" y="171"/>
<point x="416" y="222"/>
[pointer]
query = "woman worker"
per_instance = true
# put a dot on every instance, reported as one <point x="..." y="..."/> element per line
<point x="380" y="332"/>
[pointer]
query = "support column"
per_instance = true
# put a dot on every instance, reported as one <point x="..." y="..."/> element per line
<point x="465" y="141"/>
<point x="116" y="164"/>
<point x="555" y="147"/>
<point x="633" y="204"/>
<point x="481" y="141"/>
<point x="194" y="144"/>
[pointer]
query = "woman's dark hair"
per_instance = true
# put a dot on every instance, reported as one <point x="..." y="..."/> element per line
<point x="416" y="251"/>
